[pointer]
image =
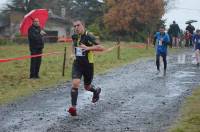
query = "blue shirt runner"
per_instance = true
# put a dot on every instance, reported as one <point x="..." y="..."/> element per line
<point x="162" y="40"/>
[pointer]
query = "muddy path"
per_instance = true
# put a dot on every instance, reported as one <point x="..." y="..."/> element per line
<point x="133" y="99"/>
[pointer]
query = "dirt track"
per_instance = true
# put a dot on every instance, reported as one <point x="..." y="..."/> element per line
<point x="133" y="99"/>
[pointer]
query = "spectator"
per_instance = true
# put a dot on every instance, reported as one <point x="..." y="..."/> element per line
<point x="187" y="37"/>
<point x="36" y="45"/>
<point x="191" y="29"/>
<point x="174" y="31"/>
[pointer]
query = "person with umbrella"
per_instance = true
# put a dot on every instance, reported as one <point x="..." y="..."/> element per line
<point x="191" y="29"/>
<point x="32" y="25"/>
<point x="36" y="45"/>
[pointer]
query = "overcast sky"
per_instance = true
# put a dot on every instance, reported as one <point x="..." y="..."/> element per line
<point x="3" y="2"/>
<point x="184" y="10"/>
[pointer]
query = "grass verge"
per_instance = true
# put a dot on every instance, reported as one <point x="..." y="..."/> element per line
<point x="189" y="120"/>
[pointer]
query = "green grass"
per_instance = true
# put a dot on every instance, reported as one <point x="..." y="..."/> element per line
<point x="189" y="120"/>
<point x="14" y="82"/>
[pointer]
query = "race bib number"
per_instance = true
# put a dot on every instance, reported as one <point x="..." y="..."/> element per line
<point x="160" y="42"/>
<point x="79" y="51"/>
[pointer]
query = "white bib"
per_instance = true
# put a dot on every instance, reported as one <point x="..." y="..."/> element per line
<point x="79" y="51"/>
<point x="160" y="42"/>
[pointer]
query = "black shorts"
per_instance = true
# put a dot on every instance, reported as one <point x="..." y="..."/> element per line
<point x="85" y="70"/>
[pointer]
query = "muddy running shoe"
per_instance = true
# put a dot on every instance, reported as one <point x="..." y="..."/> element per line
<point x="96" y="95"/>
<point x="72" y="111"/>
<point x="164" y="74"/>
<point x="158" y="72"/>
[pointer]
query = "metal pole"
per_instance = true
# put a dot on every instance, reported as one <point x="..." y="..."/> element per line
<point x="64" y="62"/>
<point x="118" y="49"/>
<point x="148" y="41"/>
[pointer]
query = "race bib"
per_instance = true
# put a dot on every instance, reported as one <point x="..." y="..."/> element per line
<point x="79" y="51"/>
<point x="160" y="42"/>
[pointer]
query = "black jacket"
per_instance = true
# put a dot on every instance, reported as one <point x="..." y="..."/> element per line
<point x="190" y="28"/>
<point x="35" y="38"/>
<point x="174" y="29"/>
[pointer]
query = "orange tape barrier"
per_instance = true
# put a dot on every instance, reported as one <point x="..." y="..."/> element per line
<point x="53" y="53"/>
<point x="107" y="50"/>
<point x="135" y="46"/>
<point x="29" y="56"/>
<point x="122" y="46"/>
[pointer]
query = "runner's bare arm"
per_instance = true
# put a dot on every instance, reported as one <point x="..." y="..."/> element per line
<point x="93" y="48"/>
<point x="72" y="55"/>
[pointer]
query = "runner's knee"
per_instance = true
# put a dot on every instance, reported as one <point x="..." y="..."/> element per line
<point x="76" y="83"/>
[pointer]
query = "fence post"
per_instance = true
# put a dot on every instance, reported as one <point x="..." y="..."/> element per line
<point x="64" y="62"/>
<point x="148" y="41"/>
<point x="118" y="49"/>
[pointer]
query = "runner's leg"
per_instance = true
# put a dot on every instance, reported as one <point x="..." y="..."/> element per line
<point x="164" y="56"/>
<point x="76" y="79"/>
<point x="158" y="62"/>
<point x="197" y="56"/>
<point x="88" y="77"/>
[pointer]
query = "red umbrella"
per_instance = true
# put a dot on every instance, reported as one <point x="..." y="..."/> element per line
<point x="41" y="14"/>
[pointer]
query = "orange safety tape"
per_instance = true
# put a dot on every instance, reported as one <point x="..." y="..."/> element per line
<point x="107" y="50"/>
<point x="134" y="46"/>
<point x="28" y="56"/>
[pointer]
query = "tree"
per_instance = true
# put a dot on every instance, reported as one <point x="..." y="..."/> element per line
<point x="87" y="10"/>
<point x="133" y="15"/>
<point x="27" y="5"/>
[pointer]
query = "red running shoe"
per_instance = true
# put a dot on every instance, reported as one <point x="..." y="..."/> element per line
<point x="72" y="111"/>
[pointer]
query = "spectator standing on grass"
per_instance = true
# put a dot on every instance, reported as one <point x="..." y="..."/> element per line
<point x="36" y="45"/>
<point x="84" y="44"/>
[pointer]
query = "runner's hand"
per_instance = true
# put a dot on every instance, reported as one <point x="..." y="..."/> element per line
<point x="43" y="32"/>
<point x="84" y="47"/>
<point x="72" y="57"/>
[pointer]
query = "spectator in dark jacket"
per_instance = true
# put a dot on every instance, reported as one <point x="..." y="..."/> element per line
<point x="174" y="32"/>
<point x="36" y="45"/>
<point x="170" y="36"/>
